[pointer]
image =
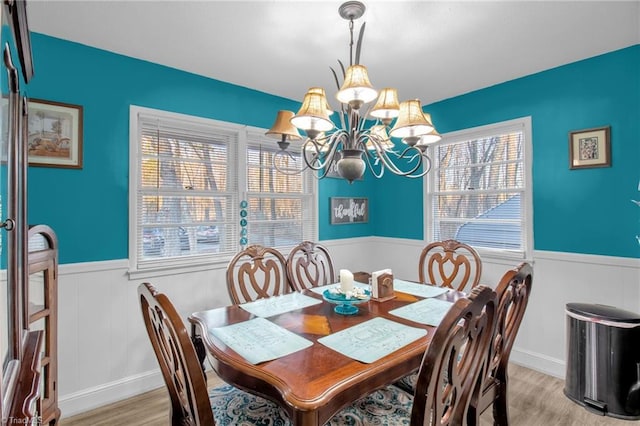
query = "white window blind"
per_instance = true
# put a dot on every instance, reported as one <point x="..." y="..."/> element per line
<point x="479" y="188"/>
<point x="188" y="176"/>
<point x="281" y="210"/>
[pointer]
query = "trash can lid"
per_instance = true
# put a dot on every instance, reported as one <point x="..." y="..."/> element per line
<point x="604" y="312"/>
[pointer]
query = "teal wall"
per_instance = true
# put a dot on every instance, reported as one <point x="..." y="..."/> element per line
<point x="577" y="211"/>
<point x="88" y="208"/>
<point x="581" y="211"/>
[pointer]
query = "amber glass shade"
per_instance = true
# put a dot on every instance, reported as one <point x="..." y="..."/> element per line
<point x="411" y="123"/>
<point x="387" y="106"/>
<point x="282" y="127"/>
<point x="357" y="88"/>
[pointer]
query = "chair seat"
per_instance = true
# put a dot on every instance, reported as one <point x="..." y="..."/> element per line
<point x="389" y="406"/>
<point x="408" y="383"/>
<point x="232" y="406"/>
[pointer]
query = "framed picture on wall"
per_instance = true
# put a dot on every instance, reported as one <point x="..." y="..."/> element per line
<point x="590" y="148"/>
<point x="349" y="210"/>
<point x="55" y="134"/>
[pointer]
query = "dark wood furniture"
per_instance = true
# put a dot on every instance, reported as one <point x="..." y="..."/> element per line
<point x="513" y="293"/>
<point x="257" y="272"/>
<point x="25" y="405"/>
<point x="191" y="404"/>
<point x="453" y="362"/>
<point x="313" y="384"/>
<point x="179" y="364"/>
<point x="450" y="263"/>
<point x="41" y="299"/>
<point x="20" y="349"/>
<point x="309" y="265"/>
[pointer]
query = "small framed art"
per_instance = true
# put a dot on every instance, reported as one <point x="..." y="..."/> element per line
<point x="590" y="148"/>
<point x="55" y="134"/>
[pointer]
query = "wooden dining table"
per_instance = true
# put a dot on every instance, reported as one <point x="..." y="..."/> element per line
<point x="314" y="383"/>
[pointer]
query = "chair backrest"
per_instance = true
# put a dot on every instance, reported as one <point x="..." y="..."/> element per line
<point x="513" y="296"/>
<point x="309" y="265"/>
<point x="449" y="373"/>
<point x="450" y="263"/>
<point x="176" y="355"/>
<point x="255" y="273"/>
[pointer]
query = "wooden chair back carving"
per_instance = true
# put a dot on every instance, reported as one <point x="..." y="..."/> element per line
<point x="448" y="376"/>
<point x="450" y="263"/>
<point x="255" y="273"/>
<point x="176" y="355"/>
<point x="309" y="265"/>
<point x="513" y="296"/>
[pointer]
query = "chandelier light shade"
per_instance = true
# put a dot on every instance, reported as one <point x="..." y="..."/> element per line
<point x="283" y="129"/>
<point x="387" y="107"/>
<point x="430" y="138"/>
<point x="356" y="89"/>
<point x="379" y="131"/>
<point x="362" y="138"/>
<point x="411" y="123"/>
<point x="321" y="92"/>
<point x="313" y="117"/>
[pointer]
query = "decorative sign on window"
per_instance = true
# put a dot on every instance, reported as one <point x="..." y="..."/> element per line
<point x="349" y="210"/>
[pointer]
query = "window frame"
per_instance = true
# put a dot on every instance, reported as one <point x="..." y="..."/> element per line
<point x="519" y="124"/>
<point x="198" y="262"/>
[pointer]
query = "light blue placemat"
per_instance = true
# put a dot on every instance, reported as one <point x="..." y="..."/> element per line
<point x="426" y="311"/>
<point x="259" y="340"/>
<point x="321" y="289"/>
<point x="276" y="305"/>
<point x="417" y="289"/>
<point x="373" y="339"/>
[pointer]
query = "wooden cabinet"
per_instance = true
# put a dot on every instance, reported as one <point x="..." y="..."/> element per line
<point x="42" y="308"/>
<point x="20" y="349"/>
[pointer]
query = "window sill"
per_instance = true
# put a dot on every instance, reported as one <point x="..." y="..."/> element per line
<point x="169" y="268"/>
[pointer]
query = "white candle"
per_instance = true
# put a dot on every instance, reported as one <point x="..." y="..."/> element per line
<point x="346" y="281"/>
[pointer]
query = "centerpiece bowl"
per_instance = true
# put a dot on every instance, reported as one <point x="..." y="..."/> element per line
<point x="346" y="303"/>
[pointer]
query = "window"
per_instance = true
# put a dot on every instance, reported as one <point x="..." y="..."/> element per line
<point x="479" y="190"/>
<point x="188" y="177"/>
<point x="281" y="206"/>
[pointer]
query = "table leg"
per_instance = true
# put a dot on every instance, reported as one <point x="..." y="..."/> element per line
<point x="198" y="344"/>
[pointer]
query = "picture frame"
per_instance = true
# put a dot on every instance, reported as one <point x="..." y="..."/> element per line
<point x="54" y="134"/>
<point x="590" y="148"/>
<point x="345" y="210"/>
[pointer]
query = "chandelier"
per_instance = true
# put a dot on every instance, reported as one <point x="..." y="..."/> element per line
<point x="362" y="139"/>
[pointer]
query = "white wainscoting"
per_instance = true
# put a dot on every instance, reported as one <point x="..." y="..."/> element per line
<point x="105" y="355"/>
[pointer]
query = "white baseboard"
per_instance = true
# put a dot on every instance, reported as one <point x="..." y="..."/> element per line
<point x="539" y="362"/>
<point x="88" y="399"/>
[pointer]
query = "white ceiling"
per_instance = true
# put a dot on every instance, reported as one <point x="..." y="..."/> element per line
<point x="430" y="50"/>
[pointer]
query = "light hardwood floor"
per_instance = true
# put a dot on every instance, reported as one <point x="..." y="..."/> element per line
<point x="535" y="400"/>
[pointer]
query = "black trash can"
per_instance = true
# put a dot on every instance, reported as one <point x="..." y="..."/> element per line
<point x="603" y="359"/>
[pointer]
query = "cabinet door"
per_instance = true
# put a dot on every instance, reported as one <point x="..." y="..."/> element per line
<point x="42" y="308"/>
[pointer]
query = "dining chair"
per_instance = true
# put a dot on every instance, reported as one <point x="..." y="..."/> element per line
<point x="448" y="375"/>
<point x="255" y="273"/>
<point x="191" y="403"/>
<point x="450" y="263"/>
<point x="513" y="296"/>
<point x="309" y="265"/>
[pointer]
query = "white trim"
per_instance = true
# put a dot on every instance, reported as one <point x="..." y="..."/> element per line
<point x="540" y="362"/>
<point x="88" y="399"/>
<point x="91" y="267"/>
<point x="591" y="259"/>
